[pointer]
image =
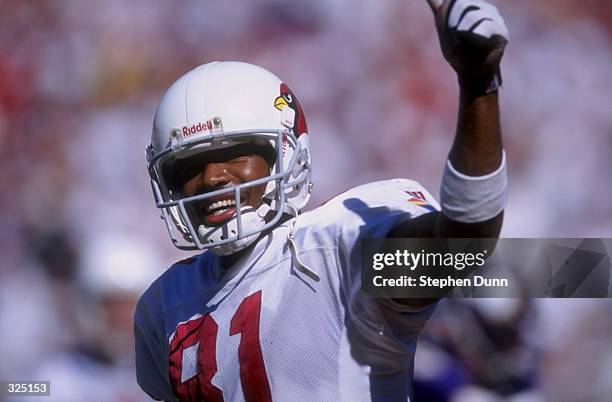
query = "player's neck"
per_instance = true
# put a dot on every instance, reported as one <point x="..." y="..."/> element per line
<point x="228" y="261"/>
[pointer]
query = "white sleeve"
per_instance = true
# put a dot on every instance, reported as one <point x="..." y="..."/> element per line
<point x="371" y="211"/>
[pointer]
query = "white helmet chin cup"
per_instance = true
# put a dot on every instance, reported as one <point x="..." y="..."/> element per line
<point x="251" y="220"/>
<point x="219" y="105"/>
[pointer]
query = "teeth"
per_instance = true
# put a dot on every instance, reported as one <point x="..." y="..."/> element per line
<point x="220" y="204"/>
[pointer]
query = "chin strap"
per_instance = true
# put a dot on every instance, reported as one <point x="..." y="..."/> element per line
<point x="299" y="264"/>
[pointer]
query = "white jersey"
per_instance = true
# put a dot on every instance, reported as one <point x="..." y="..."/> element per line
<point x="268" y="330"/>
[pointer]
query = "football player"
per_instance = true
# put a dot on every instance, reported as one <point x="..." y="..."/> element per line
<point x="272" y="310"/>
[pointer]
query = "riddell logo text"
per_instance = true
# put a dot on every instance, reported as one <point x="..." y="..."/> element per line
<point x="196" y="128"/>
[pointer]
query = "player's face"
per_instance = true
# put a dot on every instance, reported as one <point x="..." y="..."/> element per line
<point x="221" y="169"/>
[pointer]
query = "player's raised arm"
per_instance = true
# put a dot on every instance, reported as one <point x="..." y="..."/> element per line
<point x="473" y="37"/>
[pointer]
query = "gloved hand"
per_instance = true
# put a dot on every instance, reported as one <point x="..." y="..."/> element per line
<point x="473" y="36"/>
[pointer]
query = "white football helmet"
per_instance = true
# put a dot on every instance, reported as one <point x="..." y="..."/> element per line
<point x="219" y="105"/>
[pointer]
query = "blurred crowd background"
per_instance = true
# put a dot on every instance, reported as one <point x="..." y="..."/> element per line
<point x="81" y="238"/>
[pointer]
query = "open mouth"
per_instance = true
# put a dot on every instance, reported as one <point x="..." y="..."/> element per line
<point x="219" y="211"/>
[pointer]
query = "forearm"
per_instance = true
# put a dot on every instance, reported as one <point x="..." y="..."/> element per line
<point x="476" y="152"/>
<point x="473" y="36"/>
<point x="477" y="148"/>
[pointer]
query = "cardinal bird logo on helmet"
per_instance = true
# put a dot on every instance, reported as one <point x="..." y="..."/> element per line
<point x="293" y="116"/>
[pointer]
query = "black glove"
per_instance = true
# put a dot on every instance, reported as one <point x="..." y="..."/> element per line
<point x="473" y="36"/>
